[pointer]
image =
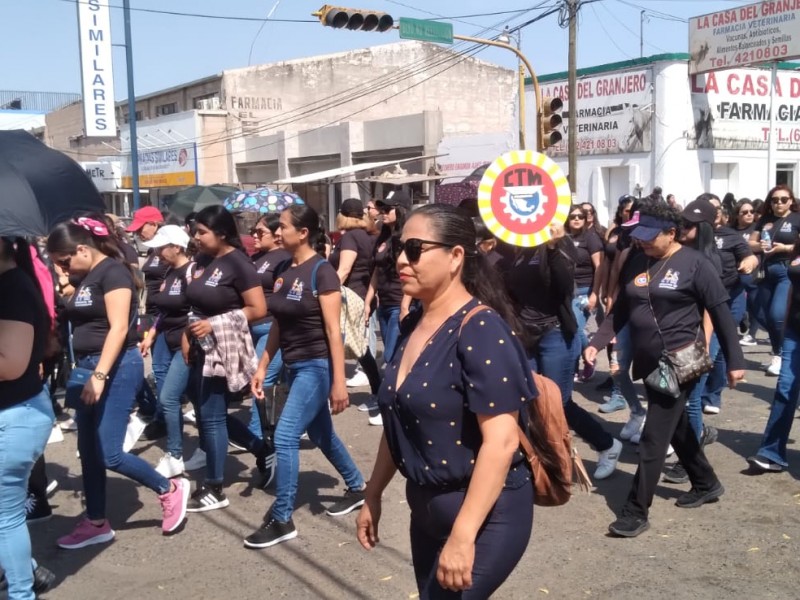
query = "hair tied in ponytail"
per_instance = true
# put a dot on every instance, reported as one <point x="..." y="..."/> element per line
<point x="92" y="226"/>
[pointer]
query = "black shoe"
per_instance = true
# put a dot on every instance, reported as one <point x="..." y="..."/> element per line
<point x="764" y="465"/>
<point x="709" y="436"/>
<point x="207" y="498"/>
<point x="37" y="509"/>
<point x="270" y="533"/>
<point x="629" y="526"/>
<point x="605" y="386"/>
<point x="42" y="580"/>
<point x="694" y="497"/>
<point x="266" y="467"/>
<point x="351" y="501"/>
<point x="676" y="474"/>
<point x="155" y="430"/>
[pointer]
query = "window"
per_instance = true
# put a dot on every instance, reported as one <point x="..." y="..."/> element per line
<point x="167" y="109"/>
<point x="207" y="102"/>
<point x="139" y="116"/>
<point x="784" y="174"/>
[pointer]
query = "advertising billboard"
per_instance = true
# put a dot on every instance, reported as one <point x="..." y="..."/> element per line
<point x="164" y="167"/>
<point x="94" y="33"/>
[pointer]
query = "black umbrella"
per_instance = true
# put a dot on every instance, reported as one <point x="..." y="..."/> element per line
<point x="197" y="197"/>
<point x="40" y="187"/>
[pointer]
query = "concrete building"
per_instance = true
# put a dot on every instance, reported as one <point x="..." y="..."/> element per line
<point x="27" y="110"/>
<point x="258" y="125"/>
<point x="646" y="123"/>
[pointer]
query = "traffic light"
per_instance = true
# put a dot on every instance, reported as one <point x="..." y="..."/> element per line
<point x="549" y="117"/>
<point x="354" y="18"/>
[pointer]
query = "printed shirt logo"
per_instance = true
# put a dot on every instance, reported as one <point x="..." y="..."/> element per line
<point x="83" y="297"/>
<point x="720" y="243"/>
<point x="641" y="280"/>
<point x="278" y="284"/>
<point x="296" y="293"/>
<point x="670" y="280"/>
<point x="155" y="262"/>
<point x="263" y="268"/>
<point x="786" y="227"/>
<point x="213" y="281"/>
<point x="176" y="288"/>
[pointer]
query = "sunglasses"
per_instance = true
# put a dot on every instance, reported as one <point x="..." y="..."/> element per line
<point x="413" y="248"/>
<point x="385" y="209"/>
<point x="259" y="233"/>
<point x="577" y="218"/>
<point x="781" y="199"/>
<point x="64" y="263"/>
<point x="746" y="212"/>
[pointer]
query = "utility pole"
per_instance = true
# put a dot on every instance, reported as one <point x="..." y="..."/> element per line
<point x="641" y="33"/>
<point x="126" y="7"/>
<point x="572" y="133"/>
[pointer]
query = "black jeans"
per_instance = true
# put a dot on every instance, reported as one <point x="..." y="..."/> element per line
<point x="667" y="422"/>
<point x="372" y="371"/>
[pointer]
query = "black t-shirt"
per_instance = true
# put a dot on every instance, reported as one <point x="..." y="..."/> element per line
<point x="217" y="284"/>
<point x="154" y="269"/>
<point x="265" y="265"/>
<point x="129" y="253"/>
<point x="363" y="244"/>
<point x="389" y="289"/>
<point x="680" y="287"/>
<point x="86" y="309"/>
<point x="784" y="230"/>
<point x="172" y="305"/>
<point x="733" y="249"/>
<point x="586" y="244"/>
<point x="747" y="231"/>
<point x="297" y="310"/>
<point x="22" y="301"/>
<point x="611" y="244"/>
<point x="793" y="320"/>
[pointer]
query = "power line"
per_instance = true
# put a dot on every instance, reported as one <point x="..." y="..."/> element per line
<point x="610" y="37"/>
<point x="618" y="20"/>
<point x="198" y="15"/>
<point x="655" y="13"/>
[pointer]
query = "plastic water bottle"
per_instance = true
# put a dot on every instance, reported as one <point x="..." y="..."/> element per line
<point x="206" y="342"/>
<point x="765" y="237"/>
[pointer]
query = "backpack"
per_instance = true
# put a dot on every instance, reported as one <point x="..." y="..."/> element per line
<point x="547" y="430"/>
<point x="351" y="316"/>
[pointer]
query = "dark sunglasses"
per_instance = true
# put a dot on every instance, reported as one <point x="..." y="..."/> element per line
<point x="258" y="233"/>
<point x="746" y="212"/>
<point x="385" y="209"/>
<point x="577" y="217"/>
<point x="781" y="199"/>
<point x="413" y="248"/>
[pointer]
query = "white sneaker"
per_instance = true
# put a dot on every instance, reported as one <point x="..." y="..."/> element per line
<point x="711" y="410"/>
<point x="190" y="417"/>
<point x="169" y="466"/>
<point x="196" y="462"/>
<point x="376" y="420"/>
<point x="607" y="461"/>
<point x="134" y="431"/>
<point x="68" y="425"/>
<point x="670" y="450"/>
<point x="748" y="340"/>
<point x="370" y="405"/>
<point x="359" y="379"/>
<point x="774" y="367"/>
<point x="632" y="427"/>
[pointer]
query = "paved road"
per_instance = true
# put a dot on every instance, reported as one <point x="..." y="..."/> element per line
<point x="745" y="546"/>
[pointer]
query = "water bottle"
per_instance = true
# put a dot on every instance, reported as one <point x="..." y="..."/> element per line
<point x="583" y="302"/>
<point x="765" y="237"/>
<point x="206" y="342"/>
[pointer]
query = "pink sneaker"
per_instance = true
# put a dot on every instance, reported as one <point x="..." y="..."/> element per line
<point x="174" y="505"/>
<point x="86" y="534"/>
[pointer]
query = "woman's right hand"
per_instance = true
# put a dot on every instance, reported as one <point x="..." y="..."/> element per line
<point x="367" y="522"/>
<point x="590" y="355"/>
<point x="185" y="349"/>
<point x="145" y="345"/>
<point x="257" y="384"/>
<point x="366" y="315"/>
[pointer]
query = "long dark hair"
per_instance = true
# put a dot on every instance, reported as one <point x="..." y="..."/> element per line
<point x="738" y="208"/>
<point x="221" y="223"/>
<point x="66" y="237"/>
<point x="584" y="227"/>
<point x="271" y="221"/>
<point x="704" y="241"/>
<point x="619" y="217"/>
<point x="18" y="250"/>
<point x="305" y="217"/>
<point x="768" y="200"/>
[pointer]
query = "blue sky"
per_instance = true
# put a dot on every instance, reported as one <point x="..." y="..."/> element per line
<point x="40" y="48"/>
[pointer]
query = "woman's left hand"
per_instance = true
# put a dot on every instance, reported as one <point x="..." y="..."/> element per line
<point x="339" y="398"/>
<point x="201" y="329"/>
<point x="454" y="572"/>
<point x="592" y="302"/>
<point x="93" y="390"/>
<point x="735" y="377"/>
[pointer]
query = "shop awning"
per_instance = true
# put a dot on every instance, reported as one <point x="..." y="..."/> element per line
<point x="405" y="179"/>
<point x="349" y="170"/>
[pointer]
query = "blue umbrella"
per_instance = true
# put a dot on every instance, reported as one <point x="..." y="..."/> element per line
<point x="261" y="200"/>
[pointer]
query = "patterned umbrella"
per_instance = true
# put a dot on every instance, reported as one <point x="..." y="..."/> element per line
<point x="261" y="200"/>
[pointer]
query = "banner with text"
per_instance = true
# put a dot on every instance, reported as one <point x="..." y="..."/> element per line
<point x="614" y="113"/>
<point x="94" y="34"/>
<point x="166" y="167"/>
<point x="732" y="110"/>
<point x="746" y="35"/>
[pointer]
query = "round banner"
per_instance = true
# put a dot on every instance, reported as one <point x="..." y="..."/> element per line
<point x="520" y="195"/>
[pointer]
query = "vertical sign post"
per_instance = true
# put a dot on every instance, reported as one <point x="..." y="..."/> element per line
<point x="126" y="6"/>
<point x="94" y="34"/>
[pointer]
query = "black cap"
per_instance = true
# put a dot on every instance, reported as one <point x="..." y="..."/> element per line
<point x="352" y="207"/>
<point x="700" y="210"/>
<point x="396" y="198"/>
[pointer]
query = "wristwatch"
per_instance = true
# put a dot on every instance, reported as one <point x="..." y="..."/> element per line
<point x="99" y="375"/>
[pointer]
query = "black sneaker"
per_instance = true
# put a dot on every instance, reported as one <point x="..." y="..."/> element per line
<point x="155" y="430"/>
<point x="351" y="501"/>
<point x="37" y="509"/>
<point x="709" y="436"/>
<point x="764" y="465"/>
<point x="207" y="498"/>
<point x="270" y="533"/>
<point x="694" y="497"/>
<point x="629" y="527"/>
<point x="676" y="474"/>
<point x="42" y="580"/>
<point x="266" y="467"/>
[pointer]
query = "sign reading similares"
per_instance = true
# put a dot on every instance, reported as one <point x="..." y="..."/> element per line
<point x="94" y="33"/>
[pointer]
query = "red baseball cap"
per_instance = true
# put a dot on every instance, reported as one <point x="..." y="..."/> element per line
<point x="146" y="214"/>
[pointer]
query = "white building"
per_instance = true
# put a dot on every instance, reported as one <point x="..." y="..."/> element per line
<point x="646" y="123"/>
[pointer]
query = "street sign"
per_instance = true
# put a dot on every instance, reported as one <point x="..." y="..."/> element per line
<point x="521" y="195"/>
<point x="759" y="33"/>
<point x="426" y="31"/>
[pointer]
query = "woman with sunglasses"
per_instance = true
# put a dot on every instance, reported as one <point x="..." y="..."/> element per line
<point x="103" y="312"/>
<point x="744" y="222"/>
<point x="591" y="219"/>
<point x="588" y="275"/>
<point x="305" y="303"/>
<point x="774" y="238"/>
<point x="452" y="399"/>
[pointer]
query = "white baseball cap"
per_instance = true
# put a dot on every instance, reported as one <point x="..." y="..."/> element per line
<point x="169" y="234"/>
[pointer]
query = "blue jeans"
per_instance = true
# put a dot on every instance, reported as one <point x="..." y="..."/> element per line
<point x="555" y="359"/>
<point x="101" y="432"/>
<point x="773" y="296"/>
<point x="784" y="403"/>
<point x="172" y="384"/>
<point x="751" y="298"/>
<point x="623" y="384"/>
<point x="212" y="416"/>
<point x="389" y="322"/>
<point x="306" y="410"/>
<point x="260" y="334"/>
<point x="24" y="429"/>
<point x="581" y="314"/>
